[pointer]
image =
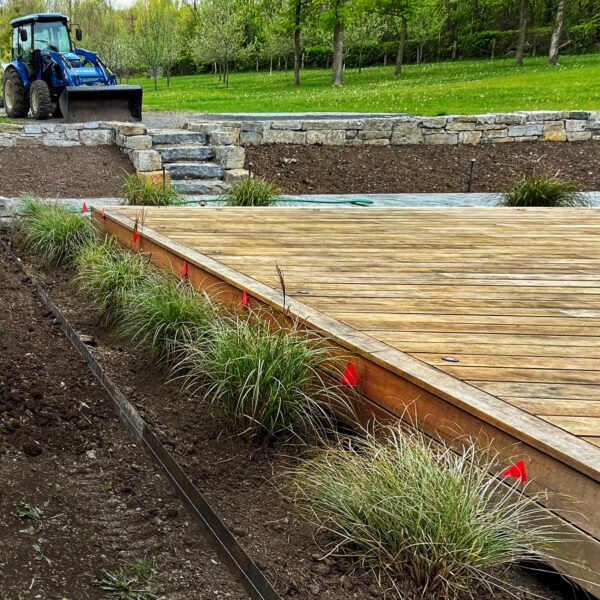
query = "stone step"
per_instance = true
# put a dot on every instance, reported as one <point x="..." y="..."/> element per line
<point x="171" y="154"/>
<point x="199" y="186"/>
<point x="194" y="170"/>
<point x="176" y="136"/>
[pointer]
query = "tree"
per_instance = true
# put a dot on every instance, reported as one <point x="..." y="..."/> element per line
<point x="399" y="10"/>
<point x="558" y="25"/>
<point x="220" y="35"/>
<point x="298" y="10"/>
<point x="522" y="32"/>
<point x="154" y="34"/>
<point x="334" y="15"/>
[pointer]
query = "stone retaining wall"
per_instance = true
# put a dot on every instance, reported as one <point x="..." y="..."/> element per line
<point x="57" y="134"/>
<point x="533" y="126"/>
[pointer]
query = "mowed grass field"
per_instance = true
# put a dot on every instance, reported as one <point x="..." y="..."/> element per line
<point x="431" y="89"/>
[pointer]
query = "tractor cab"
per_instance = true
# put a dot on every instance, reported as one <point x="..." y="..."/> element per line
<point x="34" y="34"/>
<point x="52" y="76"/>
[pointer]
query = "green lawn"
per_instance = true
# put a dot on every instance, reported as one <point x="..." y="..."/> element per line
<point x="436" y="88"/>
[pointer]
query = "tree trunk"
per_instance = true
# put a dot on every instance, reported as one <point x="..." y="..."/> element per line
<point x="385" y="59"/>
<point x="257" y="64"/>
<point x="271" y="66"/>
<point x="168" y="76"/>
<point x="522" y="32"/>
<point x="285" y="64"/>
<point x="360" y="53"/>
<point x="297" y="45"/>
<point x="338" y="53"/>
<point x="555" y="42"/>
<point x="400" y="55"/>
<point x="155" y="80"/>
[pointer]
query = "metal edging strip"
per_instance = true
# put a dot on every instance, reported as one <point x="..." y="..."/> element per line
<point x="214" y="530"/>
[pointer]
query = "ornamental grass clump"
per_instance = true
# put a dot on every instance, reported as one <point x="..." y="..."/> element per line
<point x="544" y="191"/>
<point x="110" y="274"/>
<point x="251" y="192"/>
<point x="149" y="193"/>
<point x="432" y="523"/>
<point x="263" y="381"/>
<point x="55" y="232"/>
<point x="163" y="312"/>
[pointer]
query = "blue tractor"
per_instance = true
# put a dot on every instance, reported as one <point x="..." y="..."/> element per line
<point x="52" y="77"/>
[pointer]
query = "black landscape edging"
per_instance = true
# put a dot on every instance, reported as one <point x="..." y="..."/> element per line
<point x="214" y="530"/>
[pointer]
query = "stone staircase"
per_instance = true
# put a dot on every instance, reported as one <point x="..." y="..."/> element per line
<point x="189" y="160"/>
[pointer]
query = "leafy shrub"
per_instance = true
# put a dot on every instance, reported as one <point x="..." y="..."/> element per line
<point x="110" y="274"/>
<point x="429" y="520"/>
<point x="163" y="312"/>
<point x="541" y="190"/>
<point x="251" y="192"/>
<point x="262" y="381"/>
<point x="54" y="231"/>
<point x="149" y="193"/>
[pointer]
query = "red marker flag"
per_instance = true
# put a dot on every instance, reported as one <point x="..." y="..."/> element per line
<point x="517" y="471"/>
<point x="184" y="269"/>
<point x="350" y="376"/>
<point x="103" y="214"/>
<point x="136" y="235"/>
<point x="84" y="208"/>
<point x="244" y="298"/>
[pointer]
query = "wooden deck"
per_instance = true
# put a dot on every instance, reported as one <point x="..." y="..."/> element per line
<point x="481" y="321"/>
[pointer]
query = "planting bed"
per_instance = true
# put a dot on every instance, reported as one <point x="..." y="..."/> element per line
<point x="75" y="172"/>
<point x="63" y="450"/>
<point x="414" y="169"/>
<point x="241" y="482"/>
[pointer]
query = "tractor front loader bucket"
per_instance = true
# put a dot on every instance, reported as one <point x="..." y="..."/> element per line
<point x="101" y="103"/>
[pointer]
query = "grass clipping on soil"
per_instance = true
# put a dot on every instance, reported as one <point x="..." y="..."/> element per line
<point x="421" y="517"/>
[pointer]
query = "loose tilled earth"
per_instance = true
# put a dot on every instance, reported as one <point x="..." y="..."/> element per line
<point x="62" y="445"/>
<point x="76" y="172"/>
<point x="414" y="169"/>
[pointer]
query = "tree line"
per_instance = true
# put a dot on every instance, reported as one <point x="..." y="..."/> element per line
<point x="166" y="37"/>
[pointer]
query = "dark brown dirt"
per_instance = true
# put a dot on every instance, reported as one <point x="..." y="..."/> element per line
<point x="77" y="172"/>
<point x="414" y="169"/>
<point x="63" y="451"/>
<point x="240" y="481"/>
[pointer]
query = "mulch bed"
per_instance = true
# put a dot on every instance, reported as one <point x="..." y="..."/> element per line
<point x="414" y="169"/>
<point x="242" y="482"/>
<point x="76" y="172"/>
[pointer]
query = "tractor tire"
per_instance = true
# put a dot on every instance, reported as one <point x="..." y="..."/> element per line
<point x="16" y="98"/>
<point x="41" y="100"/>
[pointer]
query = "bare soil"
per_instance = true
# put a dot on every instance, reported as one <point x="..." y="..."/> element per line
<point x="77" y="172"/>
<point x="243" y="483"/>
<point x="415" y="169"/>
<point x="64" y="452"/>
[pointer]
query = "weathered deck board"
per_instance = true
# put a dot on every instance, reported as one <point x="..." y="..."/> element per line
<point x="511" y="296"/>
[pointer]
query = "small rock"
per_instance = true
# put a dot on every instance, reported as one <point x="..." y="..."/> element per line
<point x="32" y="449"/>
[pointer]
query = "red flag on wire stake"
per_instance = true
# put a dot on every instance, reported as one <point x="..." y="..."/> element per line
<point x="244" y="298"/>
<point x="103" y="214"/>
<point x="84" y="208"/>
<point x="350" y="376"/>
<point x="136" y="235"/>
<point x="517" y="471"/>
<point x="184" y="269"/>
